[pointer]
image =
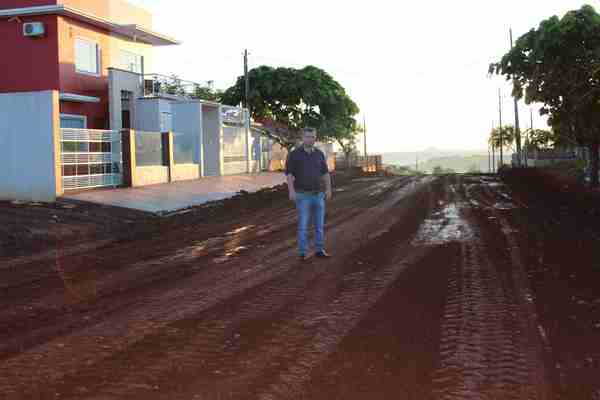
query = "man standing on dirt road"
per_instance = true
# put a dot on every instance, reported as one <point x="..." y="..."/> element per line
<point x="309" y="184"/>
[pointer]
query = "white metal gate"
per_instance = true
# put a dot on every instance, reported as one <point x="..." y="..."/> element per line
<point x="91" y="158"/>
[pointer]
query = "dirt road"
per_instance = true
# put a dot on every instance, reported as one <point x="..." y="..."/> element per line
<point x="429" y="295"/>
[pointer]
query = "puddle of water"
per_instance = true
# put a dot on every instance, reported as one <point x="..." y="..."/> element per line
<point x="504" y="206"/>
<point x="231" y="253"/>
<point x="380" y="190"/>
<point x="475" y="203"/>
<point x="239" y="230"/>
<point x="445" y="226"/>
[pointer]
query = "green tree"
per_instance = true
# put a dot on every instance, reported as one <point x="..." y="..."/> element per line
<point x="285" y="100"/>
<point x="542" y="139"/>
<point x="347" y="138"/>
<point x="504" y="136"/>
<point x="175" y="86"/>
<point x="557" y="65"/>
<point x="207" y="92"/>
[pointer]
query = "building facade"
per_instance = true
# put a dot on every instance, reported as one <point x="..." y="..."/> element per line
<point x="83" y="69"/>
<point x="70" y="48"/>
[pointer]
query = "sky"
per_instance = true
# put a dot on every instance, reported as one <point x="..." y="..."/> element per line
<point x="417" y="70"/>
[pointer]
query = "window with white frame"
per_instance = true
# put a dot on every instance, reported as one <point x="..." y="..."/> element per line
<point x="131" y="62"/>
<point x="87" y="56"/>
<point x="73" y="121"/>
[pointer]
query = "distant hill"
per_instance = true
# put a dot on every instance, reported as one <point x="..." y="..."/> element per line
<point x="457" y="163"/>
<point x="410" y="158"/>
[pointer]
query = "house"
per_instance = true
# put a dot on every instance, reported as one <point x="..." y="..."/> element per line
<point x="69" y="46"/>
<point x="78" y="81"/>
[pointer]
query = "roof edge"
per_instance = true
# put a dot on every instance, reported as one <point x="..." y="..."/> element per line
<point x="131" y="31"/>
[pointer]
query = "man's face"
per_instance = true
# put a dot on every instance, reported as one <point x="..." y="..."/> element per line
<point x="309" y="138"/>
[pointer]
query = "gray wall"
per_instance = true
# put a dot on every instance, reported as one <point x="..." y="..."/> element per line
<point x="187" y="119"/>
<point x="211" y="128"/>
<point x="148" y="114"/>
<point x="118" y="81"/>
<point x="28" y="126"/>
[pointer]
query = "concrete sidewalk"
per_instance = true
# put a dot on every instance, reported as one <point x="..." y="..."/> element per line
<point x="175" y="196"/>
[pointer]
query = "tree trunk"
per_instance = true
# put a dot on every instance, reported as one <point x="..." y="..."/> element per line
<point x="347" y="157"/>
<point x="594" y="161"/>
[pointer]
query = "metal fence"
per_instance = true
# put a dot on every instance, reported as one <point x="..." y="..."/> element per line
<point x="234" y="143"/>
<point x="368" y="164"/>
<point x="90" y="158"/>
<point x="172" y="86"/>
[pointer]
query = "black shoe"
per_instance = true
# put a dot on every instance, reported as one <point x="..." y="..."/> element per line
<point x="322" y="254"/>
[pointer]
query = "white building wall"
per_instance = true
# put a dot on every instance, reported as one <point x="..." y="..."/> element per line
<point x="28" y="146"/>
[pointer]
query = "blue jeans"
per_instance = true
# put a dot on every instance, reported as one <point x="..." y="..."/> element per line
<point x="310" y="205"/>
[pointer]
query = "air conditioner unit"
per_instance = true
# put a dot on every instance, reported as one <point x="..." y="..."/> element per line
<point x="33" y="29"/>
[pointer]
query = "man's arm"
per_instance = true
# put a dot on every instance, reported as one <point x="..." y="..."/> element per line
<point x="325" y="177"/>
<point x="289" y="174"/>
<point x="290" y="184"/>
<point x="327" y="180"/>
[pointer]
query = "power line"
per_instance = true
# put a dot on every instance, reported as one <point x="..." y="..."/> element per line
<point x="343" y="71"/>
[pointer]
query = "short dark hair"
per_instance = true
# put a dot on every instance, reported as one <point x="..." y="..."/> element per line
<point x="309" y="130"/>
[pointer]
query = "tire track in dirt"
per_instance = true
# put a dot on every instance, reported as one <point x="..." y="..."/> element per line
<point x="143" y="276"/>
<point x="290" y="337"/>
<point x="489" y="348"/>
<point x="29" y="271"/>
<point x="185" y="302"/>
<point x="301" y="301"/>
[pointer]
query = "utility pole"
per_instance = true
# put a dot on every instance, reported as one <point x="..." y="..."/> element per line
<point x="489" y="152"/>
<point x="500" y="128"/>
<point x="493" y="152"/>
<point x="528" y="139"/>
<point x="517" y="130"/>
<point x="247" y="80"/>
<point x="417" y="163"/>
<point x="365" y="136"/>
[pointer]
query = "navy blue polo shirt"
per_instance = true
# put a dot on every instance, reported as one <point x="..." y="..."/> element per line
<point x="307" y="169"/>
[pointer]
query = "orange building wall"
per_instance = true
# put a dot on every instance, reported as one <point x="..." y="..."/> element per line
<point x="119" y="11"/>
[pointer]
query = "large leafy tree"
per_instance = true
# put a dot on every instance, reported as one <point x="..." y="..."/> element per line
<point x="502" y="137"/>
<point x="207" y="92"/>
<point x="347" y="138"/>
<point x="284" y="100"/>
<point x="557" y="65"/>
<point x="543" y="139"/>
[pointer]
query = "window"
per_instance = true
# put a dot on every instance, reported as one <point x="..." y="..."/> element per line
<point x="132" y="62"/>
<point x="73" y="121"/>
<point x="87" y="56"/>
<point x="166" y="121"/>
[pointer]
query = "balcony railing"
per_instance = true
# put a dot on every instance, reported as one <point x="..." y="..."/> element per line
<point x="156" y="85"/>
